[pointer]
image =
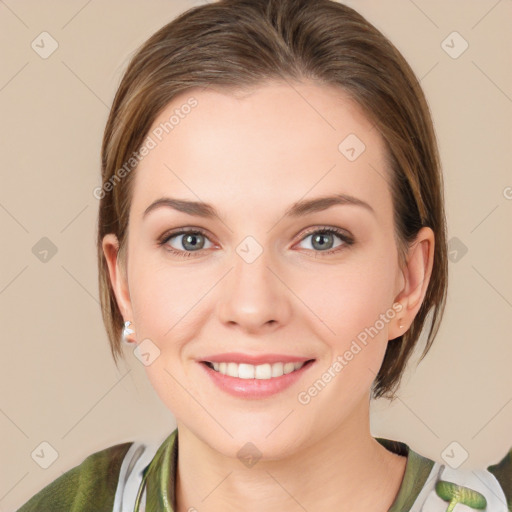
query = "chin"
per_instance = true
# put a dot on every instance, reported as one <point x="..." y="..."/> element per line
<point x="262" y="439"/>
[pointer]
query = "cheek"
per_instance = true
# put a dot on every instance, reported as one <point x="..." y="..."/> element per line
<point x="168" y="310"/>
<point x="352" y="310"/>
<point x="350" y="297"/>
<point x="164" y="298"/>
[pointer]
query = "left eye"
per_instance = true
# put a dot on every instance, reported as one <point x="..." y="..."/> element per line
<point x="322" y="239"/>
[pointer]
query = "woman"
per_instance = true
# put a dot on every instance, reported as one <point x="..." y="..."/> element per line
<point x="271" y="239"/>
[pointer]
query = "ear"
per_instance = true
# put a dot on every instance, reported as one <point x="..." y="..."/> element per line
<point x="416" y="276"/>
<point x="118" y="277"/>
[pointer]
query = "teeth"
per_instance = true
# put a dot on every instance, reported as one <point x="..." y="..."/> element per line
<point x="261" y="371"/>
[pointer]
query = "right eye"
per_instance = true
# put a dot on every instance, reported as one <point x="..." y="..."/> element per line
<point x="192" y="240"/>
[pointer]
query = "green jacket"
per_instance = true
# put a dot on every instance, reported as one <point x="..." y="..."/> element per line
<point x="129" y="476"/>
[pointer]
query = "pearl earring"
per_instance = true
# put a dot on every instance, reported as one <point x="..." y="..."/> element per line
<point x="127" y="331"/>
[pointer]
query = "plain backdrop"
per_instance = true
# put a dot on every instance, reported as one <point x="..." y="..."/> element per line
<point x="58" y="382"/>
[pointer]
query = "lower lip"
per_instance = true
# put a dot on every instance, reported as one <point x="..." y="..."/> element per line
<point x="255" y="388"/>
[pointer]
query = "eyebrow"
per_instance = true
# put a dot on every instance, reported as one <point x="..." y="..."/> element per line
<point x="298" y="209"/>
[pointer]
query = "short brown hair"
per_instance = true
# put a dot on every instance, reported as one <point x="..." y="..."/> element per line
<point x="244" y="43"/>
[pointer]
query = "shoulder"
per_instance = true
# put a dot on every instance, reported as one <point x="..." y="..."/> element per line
<point x="89" y="486"/>
<point x="433" y="486"/>
<point x="479" y="489"/>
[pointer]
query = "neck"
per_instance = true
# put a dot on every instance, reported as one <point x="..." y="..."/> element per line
<point x="347" y="466"/>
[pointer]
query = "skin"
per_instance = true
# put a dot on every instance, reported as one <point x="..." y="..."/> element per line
<point x="252" y="155"/>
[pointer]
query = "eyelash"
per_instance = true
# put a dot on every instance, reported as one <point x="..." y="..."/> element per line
<point x="347" y="241"/>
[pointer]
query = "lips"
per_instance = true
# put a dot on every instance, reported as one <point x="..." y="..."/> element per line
<point x="257" y="386"/>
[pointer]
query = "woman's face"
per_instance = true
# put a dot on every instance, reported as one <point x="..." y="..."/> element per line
<point x="258" y="280"/>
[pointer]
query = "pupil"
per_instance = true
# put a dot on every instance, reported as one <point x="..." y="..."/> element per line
<point x="319" y="238"/>
<point x="189" y="239"/>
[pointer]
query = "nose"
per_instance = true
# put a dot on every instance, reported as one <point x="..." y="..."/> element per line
<point x="253" y="296"/>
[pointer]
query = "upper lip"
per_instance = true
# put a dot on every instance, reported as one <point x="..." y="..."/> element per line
<point x="236" y="357"/>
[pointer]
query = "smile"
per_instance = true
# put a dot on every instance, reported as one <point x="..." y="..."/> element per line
<point x="243" y="380"/>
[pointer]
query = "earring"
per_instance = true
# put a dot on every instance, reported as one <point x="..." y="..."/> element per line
<point x="400" y="324"/>
<point x="126" y="332"/>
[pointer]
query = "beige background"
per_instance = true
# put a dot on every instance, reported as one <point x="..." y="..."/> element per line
<point x="59" y="383"/>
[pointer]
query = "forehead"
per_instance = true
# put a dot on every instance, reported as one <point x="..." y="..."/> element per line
<point x="269" y="145"/>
